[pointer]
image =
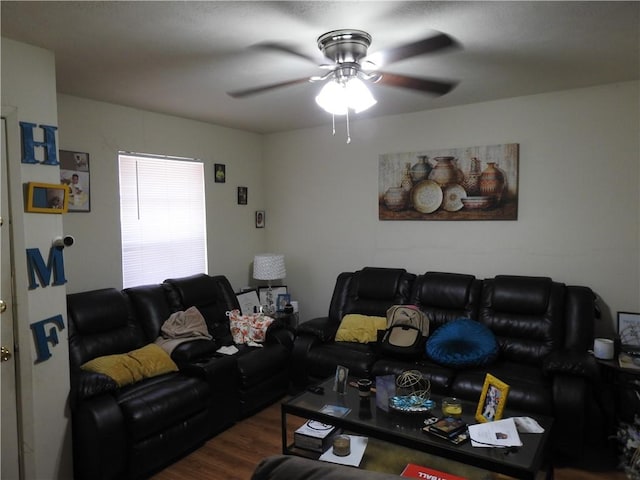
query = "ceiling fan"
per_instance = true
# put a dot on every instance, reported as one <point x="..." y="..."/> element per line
<point x="352" y="68"/>
<point x="347" y="49"/>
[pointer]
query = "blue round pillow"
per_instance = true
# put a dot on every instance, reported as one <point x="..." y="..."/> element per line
<point x="462" y="343"/>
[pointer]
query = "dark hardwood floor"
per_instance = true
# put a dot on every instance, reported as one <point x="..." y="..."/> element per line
<point x="234" y="453"/>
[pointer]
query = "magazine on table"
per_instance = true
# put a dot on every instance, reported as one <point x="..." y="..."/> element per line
<point x="501" y="433"/>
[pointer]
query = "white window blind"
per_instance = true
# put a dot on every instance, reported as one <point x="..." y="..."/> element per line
<point x="162" y="217"/>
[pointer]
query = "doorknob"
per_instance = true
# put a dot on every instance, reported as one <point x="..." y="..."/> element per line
<point x="3" y="306"/>
<point x="5" y="354"/>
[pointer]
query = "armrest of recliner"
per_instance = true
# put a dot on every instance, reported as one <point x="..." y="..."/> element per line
<point x="322" y="328"/>
<point x="85" y="385"/>
<point x="99" y="439"/>
<point x="580" y="364"/>
<point x="280" y="332"/>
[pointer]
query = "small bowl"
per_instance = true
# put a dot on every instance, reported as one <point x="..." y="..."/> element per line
<point x="477" y="203"/>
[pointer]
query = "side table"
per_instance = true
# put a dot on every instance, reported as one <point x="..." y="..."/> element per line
<point x="289" y="319"/>
<point x="625" y="385"/>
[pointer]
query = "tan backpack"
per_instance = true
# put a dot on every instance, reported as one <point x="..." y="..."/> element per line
<point x="407" y="331"/>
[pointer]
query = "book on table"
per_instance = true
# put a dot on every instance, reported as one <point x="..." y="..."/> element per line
<point x="453" y="430"/>
<point x="418" y="471"/>
<point x="315" y="436"/>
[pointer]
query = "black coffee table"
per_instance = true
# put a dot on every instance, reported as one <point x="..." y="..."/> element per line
<point x="529" y="461"/>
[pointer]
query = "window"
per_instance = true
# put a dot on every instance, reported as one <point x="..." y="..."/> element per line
<point x="162" y="218"/>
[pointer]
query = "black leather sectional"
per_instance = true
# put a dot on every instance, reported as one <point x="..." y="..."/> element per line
<point x="132" y="431"/>
<point x="544" y="330"/>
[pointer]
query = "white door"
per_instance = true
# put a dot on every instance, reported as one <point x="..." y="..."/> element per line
<point x="9" y="469"/>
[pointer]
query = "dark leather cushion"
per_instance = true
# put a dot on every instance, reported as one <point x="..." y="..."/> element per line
<point x="378" y="283"/>
<point x="444" y="290"/>
<point x="462" y="343"/>
<point x="515" y="294"/>
<point x="98" y="311"/>
<point x="151" y="308"/>
<point x="158" y="403"/>
<point x="100" y="324"/>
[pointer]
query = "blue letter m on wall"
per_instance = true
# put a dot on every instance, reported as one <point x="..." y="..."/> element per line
<point x="36" y="265"/>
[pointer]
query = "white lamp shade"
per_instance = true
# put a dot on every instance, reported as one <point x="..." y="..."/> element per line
<point x="336" y="97"/>
<point x="332" y="98"/>
<point x="269" y="266"/>
<point x="359" y="96"/>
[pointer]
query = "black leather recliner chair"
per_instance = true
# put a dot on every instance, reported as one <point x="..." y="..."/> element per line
<point x="263" y="373"/>
<point x="135" y="430"/>
<point x="370" y="291"/>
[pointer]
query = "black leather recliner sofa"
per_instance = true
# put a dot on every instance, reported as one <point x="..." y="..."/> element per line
<point x="135" y="430"/>
<point x="544" y="330"/>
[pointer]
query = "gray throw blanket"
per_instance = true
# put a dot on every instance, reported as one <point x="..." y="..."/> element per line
<point x="182" y="327"/>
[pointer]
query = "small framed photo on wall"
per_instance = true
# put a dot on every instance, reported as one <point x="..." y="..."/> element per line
<point x="220" y="172"/>
<point x="260" y="219"/>
<point x="243" y="195"/>
<point x="47" y="198"/>
<point x="74" y="172"/>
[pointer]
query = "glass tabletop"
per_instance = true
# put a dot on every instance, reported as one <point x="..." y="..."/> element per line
<point x="363" y="417"/>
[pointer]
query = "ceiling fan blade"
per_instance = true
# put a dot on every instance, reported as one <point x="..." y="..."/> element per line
<point x="284" y="48"/>
<point x="434" y="87"/>
<point x="427" y="45"/>
<point x="254" y="91"/>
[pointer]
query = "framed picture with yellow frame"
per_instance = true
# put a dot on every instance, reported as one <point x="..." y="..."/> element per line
<point x="492" y="400"/>
<point x="47" y="198"/>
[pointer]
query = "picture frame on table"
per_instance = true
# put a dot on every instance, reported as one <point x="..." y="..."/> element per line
<point x="249" y="301"/>
<point x="340" y="380"/>
<point x="47" y="198"/>
<point x="629" y="330"/>
<point x="283" y="300"/>
<point x="492" y="399"/>
<point x="279" y="290"/>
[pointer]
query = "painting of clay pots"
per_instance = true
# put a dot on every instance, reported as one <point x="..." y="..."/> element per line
<point x="468" y="183"/>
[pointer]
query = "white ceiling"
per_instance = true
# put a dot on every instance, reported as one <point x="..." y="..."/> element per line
<point x="181" y="58"/>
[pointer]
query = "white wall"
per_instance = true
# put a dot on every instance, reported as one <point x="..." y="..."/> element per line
<point x="29" y="93"/>
<point x="578" y="219"/>
<point x="102" y="130"/>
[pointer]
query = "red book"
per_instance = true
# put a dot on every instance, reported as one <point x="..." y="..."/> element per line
<point x="418" y="471"/>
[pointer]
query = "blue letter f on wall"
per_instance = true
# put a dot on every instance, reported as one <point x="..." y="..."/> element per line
<point x="43" y="339"/>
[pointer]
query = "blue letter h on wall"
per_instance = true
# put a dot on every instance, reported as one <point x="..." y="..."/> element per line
<point x="29" y="144"/>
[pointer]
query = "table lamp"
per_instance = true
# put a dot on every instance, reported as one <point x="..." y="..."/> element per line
<point x="269" y="266"/>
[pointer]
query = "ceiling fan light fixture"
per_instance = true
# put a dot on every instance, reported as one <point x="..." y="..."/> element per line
<point x="358" y="95"/>
<point x="333" y="98"/>
<point x="336" y="97"/>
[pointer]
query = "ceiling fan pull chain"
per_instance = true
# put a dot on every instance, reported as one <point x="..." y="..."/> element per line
<point x="333" y="124"/>
<point x="348" y="132"/>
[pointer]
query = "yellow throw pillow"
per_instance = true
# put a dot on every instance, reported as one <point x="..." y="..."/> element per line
<point x="126" y="368"/>
<point x="360" y="328"/>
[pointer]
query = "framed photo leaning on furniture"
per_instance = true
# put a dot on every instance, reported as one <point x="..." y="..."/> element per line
<point x="279" y="290"/>
<point x="249" y="301"/>
<point x="283" y="300"/>
<point x="492" y="400"/>
<point x="629" y="330"/>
